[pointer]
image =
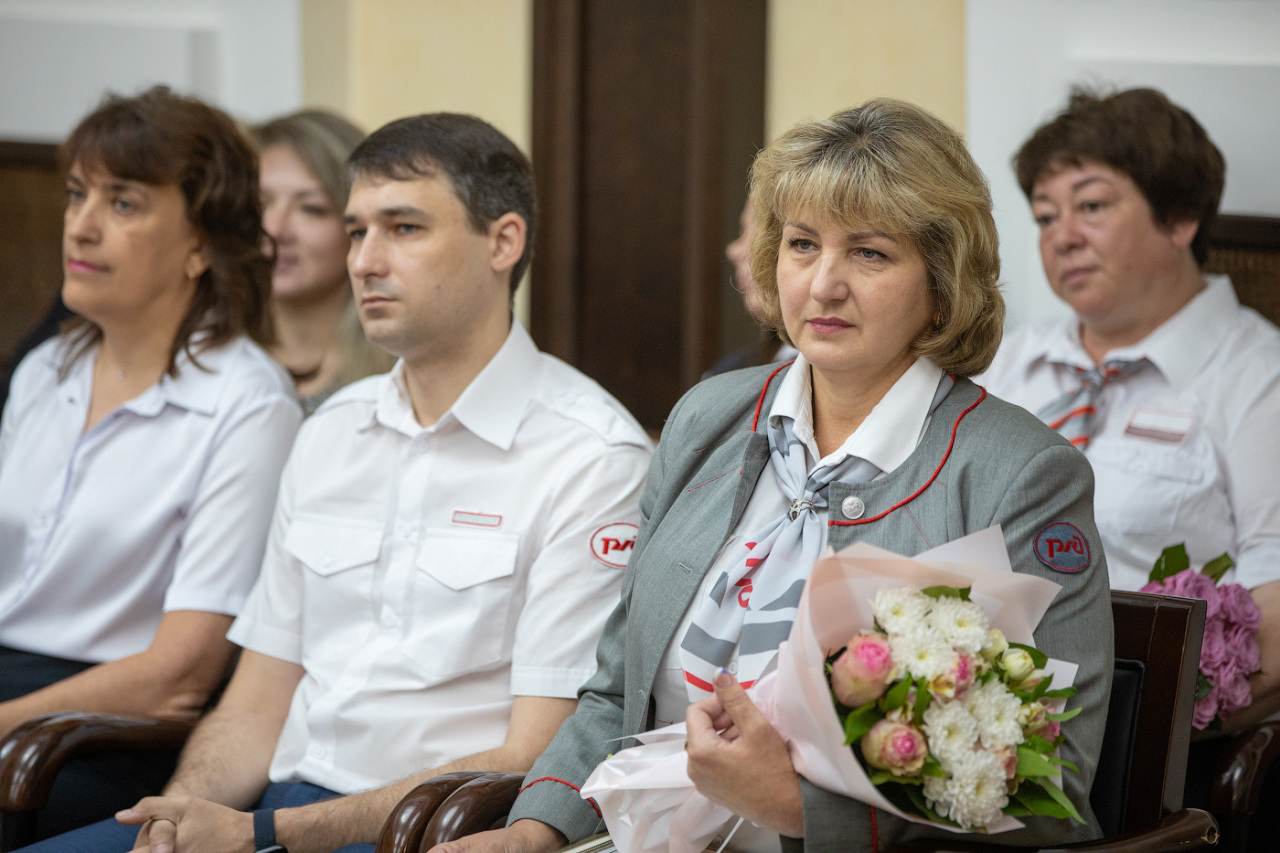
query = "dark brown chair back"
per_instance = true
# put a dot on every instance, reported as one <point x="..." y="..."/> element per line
<point x="1157" y="655"/>
<point x="1247" y="248"/>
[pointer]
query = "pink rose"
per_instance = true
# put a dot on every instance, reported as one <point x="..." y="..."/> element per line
<point x="896" y="747"/>
<point x="1051" y="729"/>
<point x="862" y="672"/>
<point x="1238" y="606"/>
<point x="1205" y="710"/>
<point x="957" y="679"/>
<point x="1243" y="642"/>
<point x="1213" y="649"/>
<point x="1233" y="694"/>
<point x="1188" y="583"/>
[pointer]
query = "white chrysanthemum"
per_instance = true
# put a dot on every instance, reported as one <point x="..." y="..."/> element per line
<point x="951" y="732"/>
<point x="935" y="791"/>
<point x="899" y="609"/>
<point x="996" y="711"/>
<point x="922" y="653"/>
<point x="976" y="791"/>
<point x="961" y="623"/>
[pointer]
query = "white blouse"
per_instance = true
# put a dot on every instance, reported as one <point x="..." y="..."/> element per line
<point x="163" y="505"/>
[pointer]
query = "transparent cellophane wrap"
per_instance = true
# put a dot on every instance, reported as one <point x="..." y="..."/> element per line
<point x="644" y="793"/>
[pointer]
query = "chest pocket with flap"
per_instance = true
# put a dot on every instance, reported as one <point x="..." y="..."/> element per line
<point x="462" y="600"/>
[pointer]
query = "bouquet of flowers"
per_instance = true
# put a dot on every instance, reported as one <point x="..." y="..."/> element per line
<point x="983" y="679"/>
<point x="956" y="724"/>
<point x="1229" y="653"/>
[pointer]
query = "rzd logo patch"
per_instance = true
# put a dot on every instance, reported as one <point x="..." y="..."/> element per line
<point x="613" y="543"/>
<point x="1062" y="547"/>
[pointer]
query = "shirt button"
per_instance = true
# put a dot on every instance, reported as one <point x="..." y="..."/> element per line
<point x="321" y="752"/>
<point x="732" y="667"/>
<point x="852" y="507"/>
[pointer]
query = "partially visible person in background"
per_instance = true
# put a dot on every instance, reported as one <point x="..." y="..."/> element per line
<point x="769" y="347"/>
<point x="304" y="190"/>
<point x="141" y="448"/>
<point x="1161" y="378"/>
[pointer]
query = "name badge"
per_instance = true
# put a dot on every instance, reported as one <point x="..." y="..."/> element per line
<point x="1160" y="425"/>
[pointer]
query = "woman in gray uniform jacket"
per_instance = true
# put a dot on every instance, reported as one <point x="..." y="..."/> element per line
<point x="877" y="259"/>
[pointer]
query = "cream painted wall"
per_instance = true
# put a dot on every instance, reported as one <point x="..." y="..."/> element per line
<point x="825" y="55"/>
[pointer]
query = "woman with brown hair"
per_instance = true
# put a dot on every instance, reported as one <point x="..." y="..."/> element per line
<point x="140" y="449"/>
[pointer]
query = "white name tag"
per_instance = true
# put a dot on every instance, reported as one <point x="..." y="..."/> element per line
<point x="476" y="519"/>
<point x="1160" y="425"/>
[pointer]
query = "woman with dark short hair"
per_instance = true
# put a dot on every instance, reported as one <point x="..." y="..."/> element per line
<point x="876" y="257"/>
<point x="1166" y="384"/>
<point x="140" y="449"/>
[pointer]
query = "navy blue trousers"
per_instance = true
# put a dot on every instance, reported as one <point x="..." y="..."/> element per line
<point x="111" y="837"/>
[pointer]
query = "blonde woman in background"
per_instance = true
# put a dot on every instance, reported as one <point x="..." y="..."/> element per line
<point x="304" y="190"/>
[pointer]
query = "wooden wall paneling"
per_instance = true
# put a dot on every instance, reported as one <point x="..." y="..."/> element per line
<point x="30" y="241"/>
<point x="1247" y="248"/>
<point x="631" y="139"/>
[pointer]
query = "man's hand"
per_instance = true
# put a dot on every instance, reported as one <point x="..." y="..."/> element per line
<point x="523" y="836"/>
<point x="186" y="825"/>
<point x="738" y="759"/>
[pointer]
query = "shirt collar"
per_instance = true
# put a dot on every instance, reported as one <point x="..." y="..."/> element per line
<point x="492" y="405"/>
<point x="1177" y="348"/>
<point x="196" y="388"/>
<point x="887" y="436"/>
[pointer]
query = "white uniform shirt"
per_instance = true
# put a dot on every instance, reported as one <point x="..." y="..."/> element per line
<point x="1186" y="448"/>
<point x="424" y="576"/>
<point x="163" y="505"/>
<point x="887" y="436"/>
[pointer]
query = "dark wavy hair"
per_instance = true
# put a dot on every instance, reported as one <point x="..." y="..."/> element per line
<point x="1142" y="133"/>
<point x="164" y="139"/>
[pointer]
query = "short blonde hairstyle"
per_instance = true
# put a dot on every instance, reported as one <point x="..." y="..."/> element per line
<point x="894" y="167"/>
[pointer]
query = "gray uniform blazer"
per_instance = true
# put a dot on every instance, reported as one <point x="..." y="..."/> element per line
<point x="980" y="462"/>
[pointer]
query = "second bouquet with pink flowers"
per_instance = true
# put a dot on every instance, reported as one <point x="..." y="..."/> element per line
<point x="953" y="722"/>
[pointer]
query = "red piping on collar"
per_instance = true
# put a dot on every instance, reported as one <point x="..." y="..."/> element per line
<point x="765" y="390"/>
<point x="954" y="427"/>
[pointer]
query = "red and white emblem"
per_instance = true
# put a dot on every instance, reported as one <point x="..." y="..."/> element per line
<point x="613" y="543"/>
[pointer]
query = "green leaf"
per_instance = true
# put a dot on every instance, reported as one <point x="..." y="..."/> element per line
<point x="1039" y="744"/>
<point x="947" y="592"/>
<point x="1032" y="763"/>
<point x="897" y="695"/>
<point x="1060" y="798"/>
<point x="1065" y="715"/>
<point x="923" y="698"/>
<point x="1034" y="796"/>
<point x="1062" y="762"/>
<point x="1217" y="567"/>
<point x="1203" y="686"/>
<point x="1060" y="693"/>
<point x="880" y="777"/>
<point x="1038" y="657"/>
<point x="1172" y="560"/>
<point x="860" y="721"/>
<point x="932" y="768"/>
<point x="1016" y="809"/>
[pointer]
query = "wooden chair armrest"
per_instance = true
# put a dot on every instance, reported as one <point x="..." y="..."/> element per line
<point x="32" y="755"/>
<point x="402" y="832"/>
<point x="1186" y="829"/>
<point x="474" y="807"/>
<point x="1237" y="779"/>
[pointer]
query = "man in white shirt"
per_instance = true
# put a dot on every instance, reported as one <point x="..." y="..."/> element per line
<point x="448" y="541"/>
